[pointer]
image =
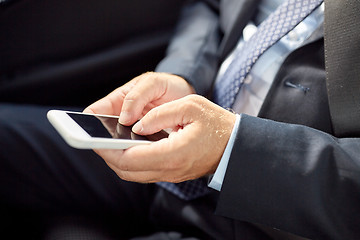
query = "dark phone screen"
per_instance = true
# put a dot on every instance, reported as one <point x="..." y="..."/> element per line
<point x="109" y="127"/>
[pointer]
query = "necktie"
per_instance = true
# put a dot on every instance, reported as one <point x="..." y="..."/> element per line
<point x="278" y="24"/>
<point x="187" y="190"/>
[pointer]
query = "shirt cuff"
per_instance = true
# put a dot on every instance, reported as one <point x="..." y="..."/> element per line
<point x="217" y="179"/>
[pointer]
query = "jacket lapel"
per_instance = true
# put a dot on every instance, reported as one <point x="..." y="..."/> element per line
<point x="342" y="50"/>
<point x="235" y="15"/>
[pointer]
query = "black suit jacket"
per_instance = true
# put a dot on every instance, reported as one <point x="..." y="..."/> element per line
<point x="287" y="169"/>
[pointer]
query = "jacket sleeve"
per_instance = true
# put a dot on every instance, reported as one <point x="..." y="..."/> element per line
<point x="293" y="178"/>
<point x="193" y="51"/>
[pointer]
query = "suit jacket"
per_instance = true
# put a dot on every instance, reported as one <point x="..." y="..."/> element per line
<point x="287" y="169"/>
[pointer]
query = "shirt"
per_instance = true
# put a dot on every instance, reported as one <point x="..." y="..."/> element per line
<point x="258" y="82"/>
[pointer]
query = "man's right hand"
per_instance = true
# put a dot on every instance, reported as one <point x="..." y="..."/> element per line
<point x="134" y="99"/>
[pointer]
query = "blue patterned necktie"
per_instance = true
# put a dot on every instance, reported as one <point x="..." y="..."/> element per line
<point x="278" y="24"/>
<point x="187" y="190"/>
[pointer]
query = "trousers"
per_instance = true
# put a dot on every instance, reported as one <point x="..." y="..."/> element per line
<point x="52" y="191"/>
<point x="43" y="180"/>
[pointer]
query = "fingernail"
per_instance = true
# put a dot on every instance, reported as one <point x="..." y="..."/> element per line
<point x="138" y="127"/>
<point x="125" y="117"/>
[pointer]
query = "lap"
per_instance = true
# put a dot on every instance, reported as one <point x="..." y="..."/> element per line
<point x="41" y="174"/>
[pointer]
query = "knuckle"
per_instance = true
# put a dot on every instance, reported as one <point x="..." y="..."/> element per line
<point x="130" y="101"/>
<point x="123" y="175"/>
<point x="130" y="176"/>
<point x="195" y="98"/>
<point x="192" y="105"/>
<point x="193" y="101"/>
<point x="188" y="104"/>
<point x="122" y="166"/>
<point x="149" y="73"/>
<point x="131" y="96"/>
<point x="150" y="76"/>
<point x="145" y="75"/>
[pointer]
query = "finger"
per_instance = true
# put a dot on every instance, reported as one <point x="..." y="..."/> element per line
<point x="141" y="177"/>
<point x="160" y="157"/>
<point x="147" y="177"/>
<point x="169" y="115"/>
<point x="141" y="168"/>
<point x="137" y="158"/>
<point x="109" y="154"/>
<point x="148" y="89"/>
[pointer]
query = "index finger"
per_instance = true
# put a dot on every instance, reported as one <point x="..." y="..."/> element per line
<point x="149" y="88"/>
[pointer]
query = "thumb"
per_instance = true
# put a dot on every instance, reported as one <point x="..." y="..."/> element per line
<point x="169" y="115"/>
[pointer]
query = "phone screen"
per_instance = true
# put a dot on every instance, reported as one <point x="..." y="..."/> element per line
<point x="109" y="127"/>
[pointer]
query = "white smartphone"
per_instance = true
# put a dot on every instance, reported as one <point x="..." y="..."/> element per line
<point x="92" y="131"/>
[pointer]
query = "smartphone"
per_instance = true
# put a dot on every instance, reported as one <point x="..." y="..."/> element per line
<point x="93" y="131"/>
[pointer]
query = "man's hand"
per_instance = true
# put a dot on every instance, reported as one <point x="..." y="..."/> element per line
<point x="134" y="99"/>
<point x="201" y="130"/>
